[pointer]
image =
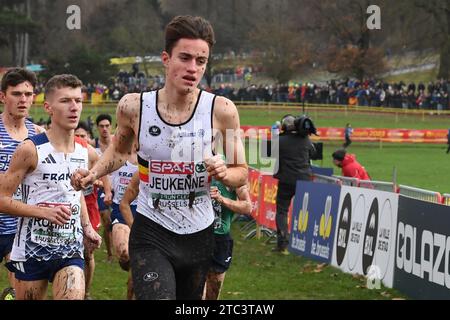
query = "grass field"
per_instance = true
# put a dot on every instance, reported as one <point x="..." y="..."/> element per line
<point x="257" y="273"/>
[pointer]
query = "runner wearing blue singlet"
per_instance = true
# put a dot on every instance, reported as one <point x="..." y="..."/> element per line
<point x="16" y="94"/>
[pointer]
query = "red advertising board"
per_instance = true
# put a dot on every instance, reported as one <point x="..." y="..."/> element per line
<point x="268" y="205"/>
<point x="364" y="134"/>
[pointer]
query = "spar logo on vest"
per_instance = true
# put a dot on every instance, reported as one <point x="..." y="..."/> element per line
<point x="177" y="184"/>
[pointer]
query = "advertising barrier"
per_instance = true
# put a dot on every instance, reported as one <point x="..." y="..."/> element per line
<point x="313" y="220"/>
<point x="268" y="204"/>
<point x="364" y="240"/>
<point x="268" y="207"/>
<point x="364" y="134"/>
<point x="422" y="260"/>
<point x="397" y="240"/>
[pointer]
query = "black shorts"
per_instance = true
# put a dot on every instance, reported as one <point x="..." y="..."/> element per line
<point x="223" y="253"/>
<point x="6" y="243"/>
<point x="166" y="265"/>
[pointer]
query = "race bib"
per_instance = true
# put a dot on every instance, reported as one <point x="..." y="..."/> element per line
<point x="177" y="184"/>
<point x="45" y="233"/>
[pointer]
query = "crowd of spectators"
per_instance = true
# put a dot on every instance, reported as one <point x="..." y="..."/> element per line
<point x="434" y="95"/>
<point x="372" y="93"/>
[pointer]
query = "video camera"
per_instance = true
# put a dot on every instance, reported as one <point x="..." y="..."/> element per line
<point x="302" y="125"/>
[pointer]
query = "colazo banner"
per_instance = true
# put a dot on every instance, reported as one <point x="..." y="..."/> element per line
<point x="422" y="260"/>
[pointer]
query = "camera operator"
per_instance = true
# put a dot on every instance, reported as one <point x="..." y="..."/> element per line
<point x="295" y="151"/>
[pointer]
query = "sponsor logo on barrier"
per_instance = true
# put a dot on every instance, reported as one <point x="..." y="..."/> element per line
<point x="270" y="193"/>
<point x="343" y="229"/>
<point x="254" y="187"/>
<point x="302" y="223"/>
<point x="425" y="255"/>
<point x="326" y="220"/>
<point x="370" y="238"/>
<point x="356" y="233"/>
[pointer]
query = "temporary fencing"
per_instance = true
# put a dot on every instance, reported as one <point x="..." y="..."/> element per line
<point x="446" y="199"/>
<point x="422" y="194"/>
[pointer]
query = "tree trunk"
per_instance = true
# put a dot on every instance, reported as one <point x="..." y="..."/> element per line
<point x="208" y="74"/>
<point x="26" y="36"/>
<point x="15" y="49"/>
<point x="444" y="67"/>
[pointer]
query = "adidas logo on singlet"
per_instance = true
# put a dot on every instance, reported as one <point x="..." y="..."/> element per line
<point x="49" y="159"/>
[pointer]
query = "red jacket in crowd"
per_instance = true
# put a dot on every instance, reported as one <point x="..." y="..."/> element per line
<point x="352" y="168"/>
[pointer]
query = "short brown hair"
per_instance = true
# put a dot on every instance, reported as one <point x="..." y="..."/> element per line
<point x="188" y="27"/>
<point x="16" y="76"/>
<point x="62" y="81"/>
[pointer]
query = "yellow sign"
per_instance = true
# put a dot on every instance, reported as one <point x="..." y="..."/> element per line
<point x="125" y="60"/>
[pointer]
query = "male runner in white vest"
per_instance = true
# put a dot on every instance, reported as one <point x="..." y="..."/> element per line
<point x="172" y="240"/>
<point x="54" y="222"/>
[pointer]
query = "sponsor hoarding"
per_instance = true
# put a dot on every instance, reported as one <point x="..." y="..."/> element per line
<point x="422" y="255"/>
<point x="364" y="240"/>
<point x="313" y="220"/>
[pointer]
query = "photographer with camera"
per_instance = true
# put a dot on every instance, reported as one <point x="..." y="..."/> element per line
<point x="294" y="154"/>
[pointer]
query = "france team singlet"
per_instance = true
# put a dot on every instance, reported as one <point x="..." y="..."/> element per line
<point x="120" y="179"/>
<point x="8" y="224"/>
<point x="174" y="184"/>
<point x="49" y="186"/>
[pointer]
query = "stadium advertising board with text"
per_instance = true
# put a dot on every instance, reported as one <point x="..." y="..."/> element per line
<point x="422" y="259"/>
<point x="313" y="220"/>
<point x="364" y="240"/>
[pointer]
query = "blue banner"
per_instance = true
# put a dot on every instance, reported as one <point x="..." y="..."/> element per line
<point x="322" y="171"/>
<point x="314" y="217"/>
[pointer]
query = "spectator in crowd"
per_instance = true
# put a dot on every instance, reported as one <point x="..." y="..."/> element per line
<point x="350" y="167"/>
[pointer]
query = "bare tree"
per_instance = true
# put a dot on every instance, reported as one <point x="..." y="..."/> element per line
<point x="439" y="11"/>
<point x="349" y="52"/>
<point x="15" y="25"/>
